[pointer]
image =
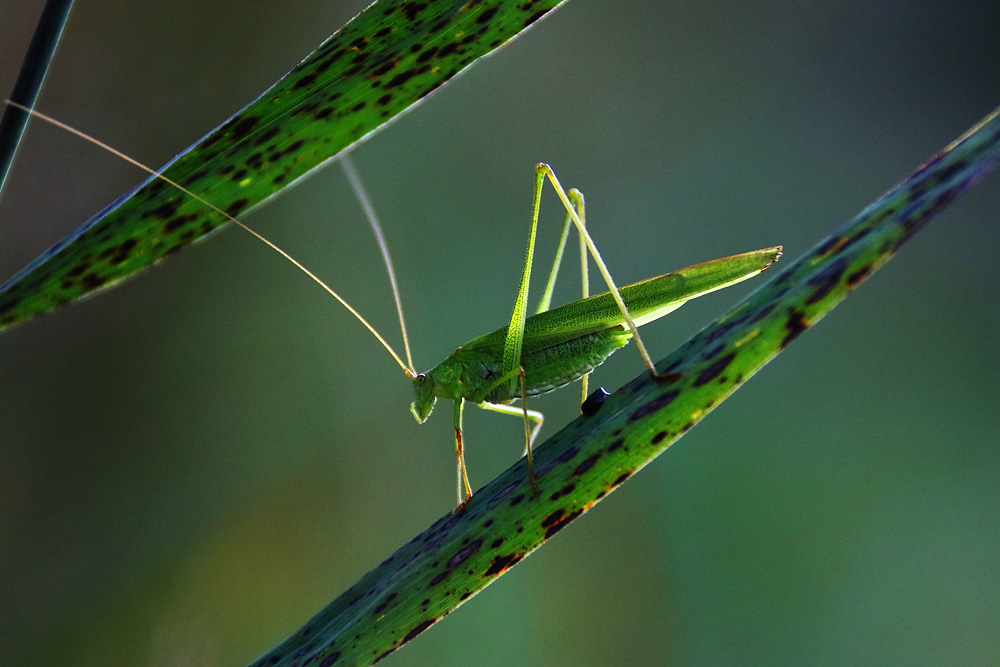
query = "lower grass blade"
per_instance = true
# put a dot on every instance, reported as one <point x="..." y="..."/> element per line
<point x="462" y="553"/>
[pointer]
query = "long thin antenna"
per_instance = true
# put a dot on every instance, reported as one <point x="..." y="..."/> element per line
<point x="366" y="204"/>
<point x="48" y="119"/>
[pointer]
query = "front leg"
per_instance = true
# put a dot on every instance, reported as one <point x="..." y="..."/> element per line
<point x="463" y="471"/>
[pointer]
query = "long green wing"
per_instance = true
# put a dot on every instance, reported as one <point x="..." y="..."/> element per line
<point x="647" y="300"/>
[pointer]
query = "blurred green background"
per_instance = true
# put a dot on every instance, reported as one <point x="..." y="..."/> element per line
<point x="196" y="462"/>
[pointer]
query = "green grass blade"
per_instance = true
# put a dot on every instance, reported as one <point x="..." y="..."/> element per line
<point x="384" y="61"/>
<point x="462" y="553"/>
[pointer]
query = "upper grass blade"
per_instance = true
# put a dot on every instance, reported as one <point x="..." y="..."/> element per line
<point x="13" y="121"/>
<point x="462" y="553"/>
<point x="380" y="64"/>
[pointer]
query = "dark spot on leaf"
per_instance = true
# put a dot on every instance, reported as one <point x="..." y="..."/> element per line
<point x="621" y="479"/>
<point x="305" y="109"/>
<point x="462" y="555"/>
<point x="553" y="518"/>
<point x="325" y="112"/>
<point x="384" y="655"/>
<point x="155" y="188"/>
<point x="501" y="564"/>
<point x="714" y="370"/>
<point x="195" y="177"/>
<point x="534" y="17"/>
<point x="385" y="603"/>
<point x="237" y="206"/>
<point x="828" y="245"/>
<point x="762" y="313"/>
<point x="92" y="281"/>
<point x="654" y="405"/>
<point x="503" y="492"/>
<point x="120" y="253"/>
<point x="794" y="327"/>
<point x="163" y="211"/>
<point x="265" y="137"/>
<point x="859" y="276"/>
<point x="447" y="50"/>
<point x="427" y="55"/>
<point x="307" y="80"/>
<point x="400" y="79"/>
<point x="487" y="15"/>
<point x="559" y="522"/>
<point x="658" y="438"/>
<point x="826" y="280"/>
<point x="713" y="352"/>
<point x="412" y="10"/>
<point x="587" y="464"/>
<point x="242" y="127"/>
<point x="565" y="491"/>
<point x="79" y="269"/>
<point x="567" y="455"/>
<point x="418" y="628"/>
<point x="385" y="67"/>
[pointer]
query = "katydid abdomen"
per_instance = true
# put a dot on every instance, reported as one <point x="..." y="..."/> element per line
<point x="547" y="364"/>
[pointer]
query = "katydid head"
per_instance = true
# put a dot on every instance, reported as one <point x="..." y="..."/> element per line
<point x="421" y="408"/>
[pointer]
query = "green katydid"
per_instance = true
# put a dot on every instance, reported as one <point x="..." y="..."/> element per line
<point x="535" y="355"/>
<point x="531" y="355"/>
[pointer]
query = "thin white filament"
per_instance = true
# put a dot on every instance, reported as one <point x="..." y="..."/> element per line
<point x="366" y="204"/>
<point x="215" y="208"/>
